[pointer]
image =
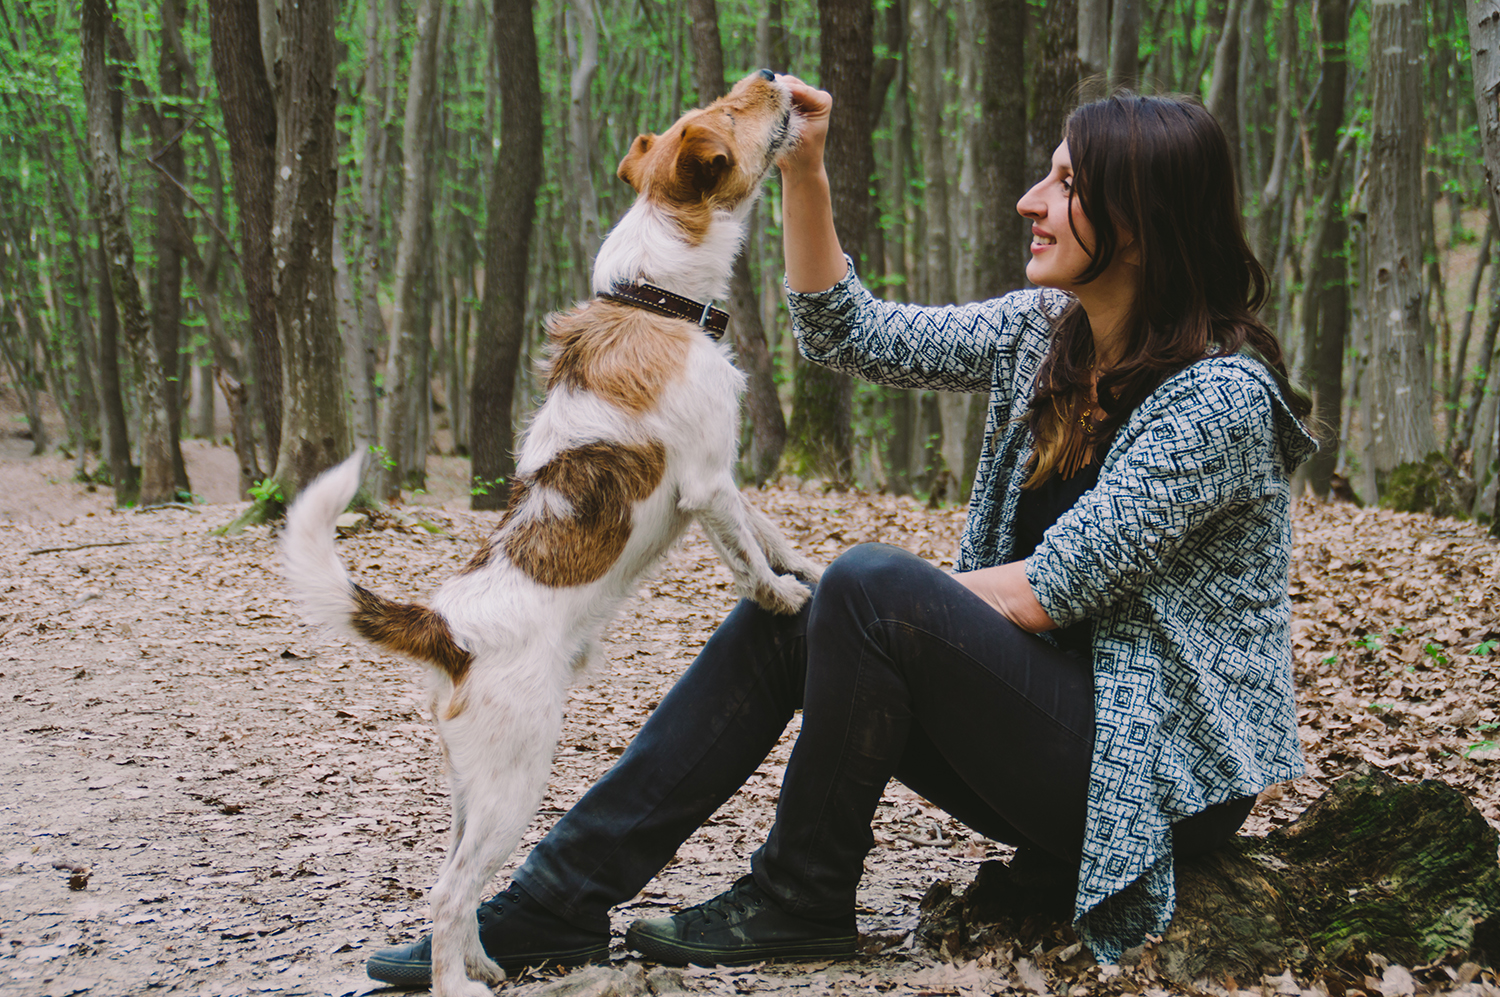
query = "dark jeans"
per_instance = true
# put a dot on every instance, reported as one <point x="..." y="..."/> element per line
<point x="899" y="671"/>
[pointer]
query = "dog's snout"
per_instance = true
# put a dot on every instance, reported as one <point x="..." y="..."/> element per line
<point x="767" y="74"/>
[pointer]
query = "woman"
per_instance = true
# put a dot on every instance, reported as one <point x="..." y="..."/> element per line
<point x="1106" y="681"/>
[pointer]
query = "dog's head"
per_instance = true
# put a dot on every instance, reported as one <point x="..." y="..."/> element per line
<point x="714" y="159"/>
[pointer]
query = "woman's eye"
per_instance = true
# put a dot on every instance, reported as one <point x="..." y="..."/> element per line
<point x="1067" y="184"/>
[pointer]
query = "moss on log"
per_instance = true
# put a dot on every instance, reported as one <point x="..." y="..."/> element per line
<point x="1408" y="871"/>
<point x="1432" y="485"/>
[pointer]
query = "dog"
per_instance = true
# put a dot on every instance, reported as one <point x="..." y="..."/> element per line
<point x="637" y="437"/>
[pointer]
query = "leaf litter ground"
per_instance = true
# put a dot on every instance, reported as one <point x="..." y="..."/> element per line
<point x="250" y="807"/>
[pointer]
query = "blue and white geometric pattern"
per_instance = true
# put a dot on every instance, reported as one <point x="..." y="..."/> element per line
<point x="1180" y="555"/>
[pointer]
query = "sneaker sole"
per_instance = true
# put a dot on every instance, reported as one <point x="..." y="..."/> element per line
<point x="675" y="953"/>
<point x="409" y="973"/>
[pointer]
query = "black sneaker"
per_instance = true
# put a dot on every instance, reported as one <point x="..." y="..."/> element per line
<point x="740" y="927"/>
<point x="516" y="932"/>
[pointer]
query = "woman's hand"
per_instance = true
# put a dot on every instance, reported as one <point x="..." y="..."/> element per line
<point x="812" y="108"/>
<point x="814" y="258"/>
<point x="1006" y="589"/>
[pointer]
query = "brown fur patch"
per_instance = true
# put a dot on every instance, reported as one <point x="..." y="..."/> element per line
<point x="623" y="354"/>
<point x="601" y="481"/>
<point x="481" y="557"/>
<point x="415" y="631"/>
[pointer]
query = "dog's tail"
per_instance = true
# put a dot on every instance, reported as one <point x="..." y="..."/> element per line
<point x="328" y="597"/>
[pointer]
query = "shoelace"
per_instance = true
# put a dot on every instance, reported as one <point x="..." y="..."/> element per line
<point x="498" y="902"/>
<point x="735" y="898"/>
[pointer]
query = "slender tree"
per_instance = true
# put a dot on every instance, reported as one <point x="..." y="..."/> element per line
<point x="1397" y="400"/>
<point x="168" y="128"/>
<point x="314" y="416"/>
<point x="410" y="334"/>
<point x="1325" y="312"/>
<point x="1484" y="41"/>
<point x="821" y="434"/>
<point x="512" y="209"/>
<point x="157" y="481"/>
<point x="249" y="109"/>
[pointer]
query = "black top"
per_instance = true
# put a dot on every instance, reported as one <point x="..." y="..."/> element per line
<point x="1037" y="509"/>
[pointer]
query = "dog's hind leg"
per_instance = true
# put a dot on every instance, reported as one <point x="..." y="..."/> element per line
<point x="499" y="753"/>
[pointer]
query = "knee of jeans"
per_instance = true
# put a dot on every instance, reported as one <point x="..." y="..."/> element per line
<point x="871" y="567"/>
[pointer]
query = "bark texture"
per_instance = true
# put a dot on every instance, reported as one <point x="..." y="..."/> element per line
<point x="1325" y="313"/>
<point x="821" y="434"/>
<point x="1484" y="40"/>
<point x="512" y="210"/>
<point x="250" y="126"/>
<point x="410" y="334"/>
<point x="1057" y="69"/>
<point x="314" y="418"/>
<point x="1398" y="392"/>
<point x="157" y="481"/>
<point x="1375" y="866"/>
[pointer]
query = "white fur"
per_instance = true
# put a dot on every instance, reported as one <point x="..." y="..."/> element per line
<point x="529" y="640"/>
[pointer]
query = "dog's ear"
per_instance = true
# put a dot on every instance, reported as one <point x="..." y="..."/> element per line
<point x="630" y="166"/>
<point x="703" y="158"/>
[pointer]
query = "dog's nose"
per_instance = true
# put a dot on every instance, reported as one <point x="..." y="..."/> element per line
<point x="767" y="74"/>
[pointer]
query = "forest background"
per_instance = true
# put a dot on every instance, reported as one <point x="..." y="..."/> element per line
<point x="347" y="220"/>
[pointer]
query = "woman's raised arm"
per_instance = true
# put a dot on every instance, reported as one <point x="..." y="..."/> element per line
<point x="814" y="258"/>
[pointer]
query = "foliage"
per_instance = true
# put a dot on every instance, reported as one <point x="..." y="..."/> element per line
<point x="643" y="81"/>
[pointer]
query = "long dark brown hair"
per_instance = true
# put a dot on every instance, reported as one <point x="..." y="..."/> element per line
<point x="1157" y="171"/>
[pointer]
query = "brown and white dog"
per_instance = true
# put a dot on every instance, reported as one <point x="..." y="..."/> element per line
<point x="636" y="438"/>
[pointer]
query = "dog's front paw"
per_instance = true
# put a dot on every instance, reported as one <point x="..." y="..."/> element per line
<point x="784" y="594"/>
<point x="804" y="569"/>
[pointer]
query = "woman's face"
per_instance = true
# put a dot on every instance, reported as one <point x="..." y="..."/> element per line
<point x="1057" y="255"/>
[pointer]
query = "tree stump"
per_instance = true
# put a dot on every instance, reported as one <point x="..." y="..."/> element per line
<point x="1407" y="871"/>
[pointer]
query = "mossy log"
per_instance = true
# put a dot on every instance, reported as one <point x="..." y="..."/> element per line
<point x="1407" y="871"/>
<point x="1431" y="484"/>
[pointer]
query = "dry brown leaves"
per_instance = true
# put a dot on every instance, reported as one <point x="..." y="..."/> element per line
<point x="259" y="807"/>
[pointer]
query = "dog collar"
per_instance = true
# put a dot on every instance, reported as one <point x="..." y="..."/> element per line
<point x="664" y="302"/>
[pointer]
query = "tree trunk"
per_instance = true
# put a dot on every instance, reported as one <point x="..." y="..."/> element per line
<point x="170" y="229"/>
<point x="250" y="127"/>
<point x="1058" y="66"/>
<point x="821" y="434"/>
<point x="157" y="482"/>
<point x="1092" y="38"/>
<point x="412" y="256"/>
<point x="1224" y="84"/>
<point x="584" y="55"/>
<point x="1125" y="43"/>
<point x="1403" y="870"/>
<point x="235" y="398"/>
<point x="314" y="414"/>
<point x="1000" y="149"/>
<point x="928" y="60"/>
<point x="124" y="476"/>
<point x="378" y="101"/>
<point x="512" y="209"/>
<point x="1398" y="394"/>
<point x="1325" y="308"/>
<point x="1484" y="41"/>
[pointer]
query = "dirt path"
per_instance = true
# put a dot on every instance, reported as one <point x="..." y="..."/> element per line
<point x="259" y="808"/>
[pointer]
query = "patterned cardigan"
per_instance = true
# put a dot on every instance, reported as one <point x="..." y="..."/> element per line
<point x="1180" y="556"/>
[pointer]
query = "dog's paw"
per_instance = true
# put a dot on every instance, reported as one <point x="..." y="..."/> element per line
<point x="804" y="569"/>
<point x="784" y="594"/>
<point x="468" y="988"/>
<point x="483" y="968"/>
